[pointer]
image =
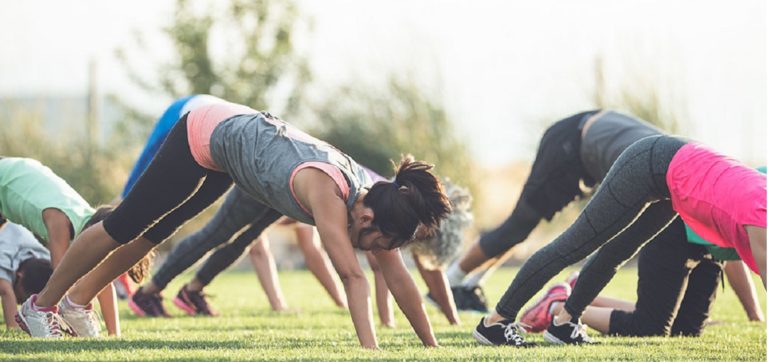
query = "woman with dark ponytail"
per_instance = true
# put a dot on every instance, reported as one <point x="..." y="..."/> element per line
<point x="287" y="170"/>
<point x="415" y="197"/>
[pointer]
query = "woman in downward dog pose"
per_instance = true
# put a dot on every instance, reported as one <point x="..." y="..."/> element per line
<point x="241" y="220"/>
<point x="286" y="169"/>
<point x="238" y="225"/>
<point x="653" y="181"/>
<point x="210" y="237"/>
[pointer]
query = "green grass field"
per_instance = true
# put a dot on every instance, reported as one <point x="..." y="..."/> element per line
<point x="247" y="330"/>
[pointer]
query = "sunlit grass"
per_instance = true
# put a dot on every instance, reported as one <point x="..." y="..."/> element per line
<point x="247" y="330"/>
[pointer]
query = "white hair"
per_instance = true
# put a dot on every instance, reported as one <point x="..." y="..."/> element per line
<point x="447" y="241"/>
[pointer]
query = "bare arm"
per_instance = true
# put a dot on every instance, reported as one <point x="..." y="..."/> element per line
<point x="406" y="294"/>
<point x="264" y="265"/>
<point x="757" y="244"/>
<point x="383" y="300"/>
<point x="58" y="225"/>
<point x="439" y="288"/>
<point x="9" y="303"/>
<point x="319" y="192"/>
<point x="108" y="304"/>
<point x="318" y="263"/>
<point x="741" y="282"/>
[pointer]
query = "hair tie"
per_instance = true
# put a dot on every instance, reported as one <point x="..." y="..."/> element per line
<point x="399" y="187"/>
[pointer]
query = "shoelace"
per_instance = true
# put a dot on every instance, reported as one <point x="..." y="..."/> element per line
<point x="580" y="330"/>
<point x="512" y="333"/>
<point x="54" y="323"/>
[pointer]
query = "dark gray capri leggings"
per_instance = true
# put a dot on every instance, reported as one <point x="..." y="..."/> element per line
<point x="629" y="208"/>
<point x="238" y="214"/>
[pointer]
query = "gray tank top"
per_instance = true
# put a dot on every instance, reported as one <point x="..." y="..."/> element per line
<point x="608" y="137"/>
<point x="260" y="151"/>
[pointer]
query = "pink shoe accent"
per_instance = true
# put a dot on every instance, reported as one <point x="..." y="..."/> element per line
<point x="22" y="323"/>
<point x="135" y="308"/>
<point x="183" y="306"/>
<point x="33" y="300"/>
<point x="537" y="318"/>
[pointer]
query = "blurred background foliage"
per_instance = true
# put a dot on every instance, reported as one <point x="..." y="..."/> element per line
<point x="262" y="68"/>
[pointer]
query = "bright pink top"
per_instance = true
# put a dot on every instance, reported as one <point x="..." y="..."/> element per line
<point x="330" y="170"/>
<point x="717" y="196"/>
<point x="200" y="125"/>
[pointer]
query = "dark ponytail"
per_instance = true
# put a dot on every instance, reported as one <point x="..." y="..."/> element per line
<point x="415" y="197"/>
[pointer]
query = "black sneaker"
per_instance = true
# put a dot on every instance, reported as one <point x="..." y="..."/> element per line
<point x="568" y="333"/>
<point x="147" y="304"/>
<point x="194" y="302"/>
<point x="504" y="333"/>
<point x="470" y="299"/>
<point x="458" y="298"/>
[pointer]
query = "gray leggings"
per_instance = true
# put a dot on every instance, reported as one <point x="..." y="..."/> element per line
<point x="238" y="213"/>
<point x="629" y="208"/>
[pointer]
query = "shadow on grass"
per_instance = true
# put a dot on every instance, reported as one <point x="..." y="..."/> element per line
<point x="23" y="347"/>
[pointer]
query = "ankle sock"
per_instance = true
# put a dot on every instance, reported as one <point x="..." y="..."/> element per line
<point x="73" y="304"/>
<point x="476" y="278"/>
<point x="455" y="275"/>
<point x="33" y="302"/>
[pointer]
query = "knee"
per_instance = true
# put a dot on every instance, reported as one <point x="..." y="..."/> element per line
<point x="633" y="325"/>
<point x="651" y="328"/>
<point x="653" y="331"/>
<point x="259" y="249"/>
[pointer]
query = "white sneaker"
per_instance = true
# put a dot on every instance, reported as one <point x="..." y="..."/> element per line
<point x="40" y="323"/>
<point x="83" y="320"/>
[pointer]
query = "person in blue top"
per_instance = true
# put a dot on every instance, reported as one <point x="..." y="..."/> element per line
<point x="163" y="126"/>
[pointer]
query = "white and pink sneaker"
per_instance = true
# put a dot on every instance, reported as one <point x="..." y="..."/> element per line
<point x="82" y="319"/>
<point x="41" y="322"/>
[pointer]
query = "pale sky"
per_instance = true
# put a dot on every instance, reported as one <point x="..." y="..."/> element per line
<point x="503" y="68"/>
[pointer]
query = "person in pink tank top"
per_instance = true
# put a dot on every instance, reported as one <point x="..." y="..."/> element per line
<point x="654" y="180"/>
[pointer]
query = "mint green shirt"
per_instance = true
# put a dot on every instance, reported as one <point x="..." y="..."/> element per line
<point x="27" y="187"/>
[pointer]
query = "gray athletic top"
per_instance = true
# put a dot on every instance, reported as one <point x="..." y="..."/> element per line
<point x="608" y="137"/>
<point x="260" y="152"/>
<point x="17" y="244"/>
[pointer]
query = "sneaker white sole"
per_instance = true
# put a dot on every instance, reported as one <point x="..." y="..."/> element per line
<point x="480" y="338"/>
<point x="552" y="339"/>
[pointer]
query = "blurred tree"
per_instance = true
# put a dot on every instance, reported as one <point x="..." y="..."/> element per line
<point x="376" y="127"/>
<point x="260" y="66"/>
<point x="240" y="50"/>
<point x="95" y="178"/>
<point x="640" y="96"/>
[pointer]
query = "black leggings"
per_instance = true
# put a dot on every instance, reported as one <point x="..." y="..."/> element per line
<point x="677" y="283"/>
<point x="628" y="209"/>
<point x="173" y="189"/>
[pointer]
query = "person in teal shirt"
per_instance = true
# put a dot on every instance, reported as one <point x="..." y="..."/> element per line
<point x="33" y="196"/>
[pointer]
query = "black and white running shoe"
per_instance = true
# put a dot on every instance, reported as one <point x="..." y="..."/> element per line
<point x="470" y="299"/>
<point x="568" y="333"/>
<point x="504" y="333"/>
